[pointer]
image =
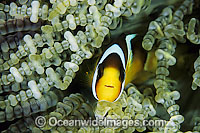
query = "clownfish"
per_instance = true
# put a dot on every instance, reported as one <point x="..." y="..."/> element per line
<point x="117" y="67"/>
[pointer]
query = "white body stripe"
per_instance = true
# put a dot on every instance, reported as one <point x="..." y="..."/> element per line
<point x="130" y="53"/>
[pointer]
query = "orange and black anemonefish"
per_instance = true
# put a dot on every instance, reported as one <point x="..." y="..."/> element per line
<point x="118" y="66"/>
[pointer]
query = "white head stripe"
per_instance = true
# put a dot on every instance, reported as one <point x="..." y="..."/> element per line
<point x="112" y="49"/>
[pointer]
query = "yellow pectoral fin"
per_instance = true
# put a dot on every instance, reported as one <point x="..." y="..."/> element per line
<point x="133" y="69"/>
<point x="129" y="75"/>
<point x="151" y="62"/>
<point x="149" y="68"/>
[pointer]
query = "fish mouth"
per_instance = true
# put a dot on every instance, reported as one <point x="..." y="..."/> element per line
<point x="110" y="86"/>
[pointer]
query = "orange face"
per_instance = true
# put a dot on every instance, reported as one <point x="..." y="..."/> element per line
<point x="108" y="87"/>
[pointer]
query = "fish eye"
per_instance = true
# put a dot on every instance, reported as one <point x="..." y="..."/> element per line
<point x="122" y="75"/>
<point x="100" y="71"/>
